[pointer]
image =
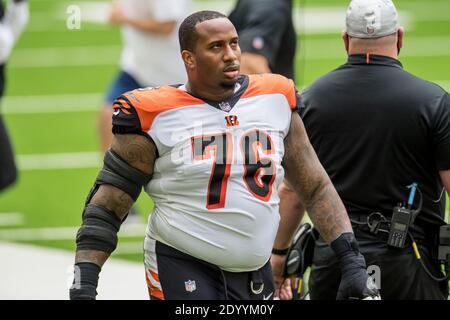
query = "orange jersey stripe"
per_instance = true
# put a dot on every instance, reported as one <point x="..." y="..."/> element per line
<point x="149" y="103"/>
<point x="270" y="84"/>
<point x="155" y="292"/>
<point x="152" y="290"/>
<point x="154" y="275"/>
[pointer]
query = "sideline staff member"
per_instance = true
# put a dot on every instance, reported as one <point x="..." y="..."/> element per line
<point x="376" y="129"/>
<point x="12" y="22"/>
<point x="266" y="36"/>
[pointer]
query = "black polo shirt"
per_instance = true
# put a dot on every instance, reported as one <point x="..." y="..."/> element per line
<point x="376" y="129"/>
<point x="265" y="27"/>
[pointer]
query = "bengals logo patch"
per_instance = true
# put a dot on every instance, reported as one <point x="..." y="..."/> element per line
<point x="122" y="104"/>
<point x="232" y="121"/>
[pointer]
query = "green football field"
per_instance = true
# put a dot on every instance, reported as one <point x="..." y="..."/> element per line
<point x="57" y="78"/>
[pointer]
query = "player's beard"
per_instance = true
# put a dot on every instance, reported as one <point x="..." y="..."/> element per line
<point x="228" y="85"/>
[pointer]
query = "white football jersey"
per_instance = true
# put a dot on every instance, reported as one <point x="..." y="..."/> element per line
<point x="215" y="180"/>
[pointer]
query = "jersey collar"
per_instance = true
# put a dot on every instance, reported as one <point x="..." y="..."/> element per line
<point x="228" y="104"/>
<point x="357" y="59"/>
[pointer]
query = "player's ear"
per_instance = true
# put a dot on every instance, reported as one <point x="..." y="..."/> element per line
<point x="188" y="58"/>
<point x="346" y="40"/>
<point x="400" y="33"/>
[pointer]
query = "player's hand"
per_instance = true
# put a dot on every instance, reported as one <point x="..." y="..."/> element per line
<point x="283" y="286"/>
<point x="287" y="288"/>
<point x="355" y="281"/>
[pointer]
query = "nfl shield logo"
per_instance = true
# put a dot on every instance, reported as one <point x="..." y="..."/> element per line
<point x="190" y="285"/>
<point x="225" y="106"/>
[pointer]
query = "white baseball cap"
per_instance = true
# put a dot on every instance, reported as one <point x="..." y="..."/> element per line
<point x="371" y="18"/>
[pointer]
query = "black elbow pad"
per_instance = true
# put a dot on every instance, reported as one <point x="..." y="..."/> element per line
<point x="118" y="173"/>
<point x="99" y="229"/>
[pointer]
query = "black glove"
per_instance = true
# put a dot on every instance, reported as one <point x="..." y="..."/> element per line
<point x="355" y="281"/>
<point x="85" y="282"/>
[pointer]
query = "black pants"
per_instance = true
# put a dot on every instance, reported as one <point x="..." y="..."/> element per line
<point x="182" y="277"/>
<point x="401" y="274"/>
<point x="8" y="170"/>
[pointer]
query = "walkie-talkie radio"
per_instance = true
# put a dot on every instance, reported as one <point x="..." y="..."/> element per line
<point x="444" y="244"/>
<point x="402" y="219"/>
<point x="400" y="223"/>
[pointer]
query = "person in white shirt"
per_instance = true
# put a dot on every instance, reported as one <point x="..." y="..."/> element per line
<point x="12" y="22"/>
<point x="150" y="55"/>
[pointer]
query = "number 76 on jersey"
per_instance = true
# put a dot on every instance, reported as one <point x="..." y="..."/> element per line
<point x="258" y="167"/>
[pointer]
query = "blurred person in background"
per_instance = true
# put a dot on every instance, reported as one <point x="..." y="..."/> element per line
<point x="266" y="35"/>
<point x="13" y="19"/>
<point x="150" y="55"/>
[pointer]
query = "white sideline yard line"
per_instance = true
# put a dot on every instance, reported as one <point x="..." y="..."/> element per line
<point x="42" y="22"/>
<point x="30" y="234"/>
<point x="37" y="273"/>
<point x="56" y="161"/>
<point x="11" y="218"/>
<point x="65" y="56"/>
<point x="82" y="102"/>
<point x="65" y="233"/>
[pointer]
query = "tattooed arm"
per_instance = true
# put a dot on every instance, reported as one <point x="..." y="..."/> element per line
<point x="138" y="152"/>
<point x="308" y="178"/>
<point x="307" y="186"/>
<point x="129" y="165"/>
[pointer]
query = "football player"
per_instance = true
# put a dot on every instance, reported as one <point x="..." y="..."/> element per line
<point x="211" y="154"/>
